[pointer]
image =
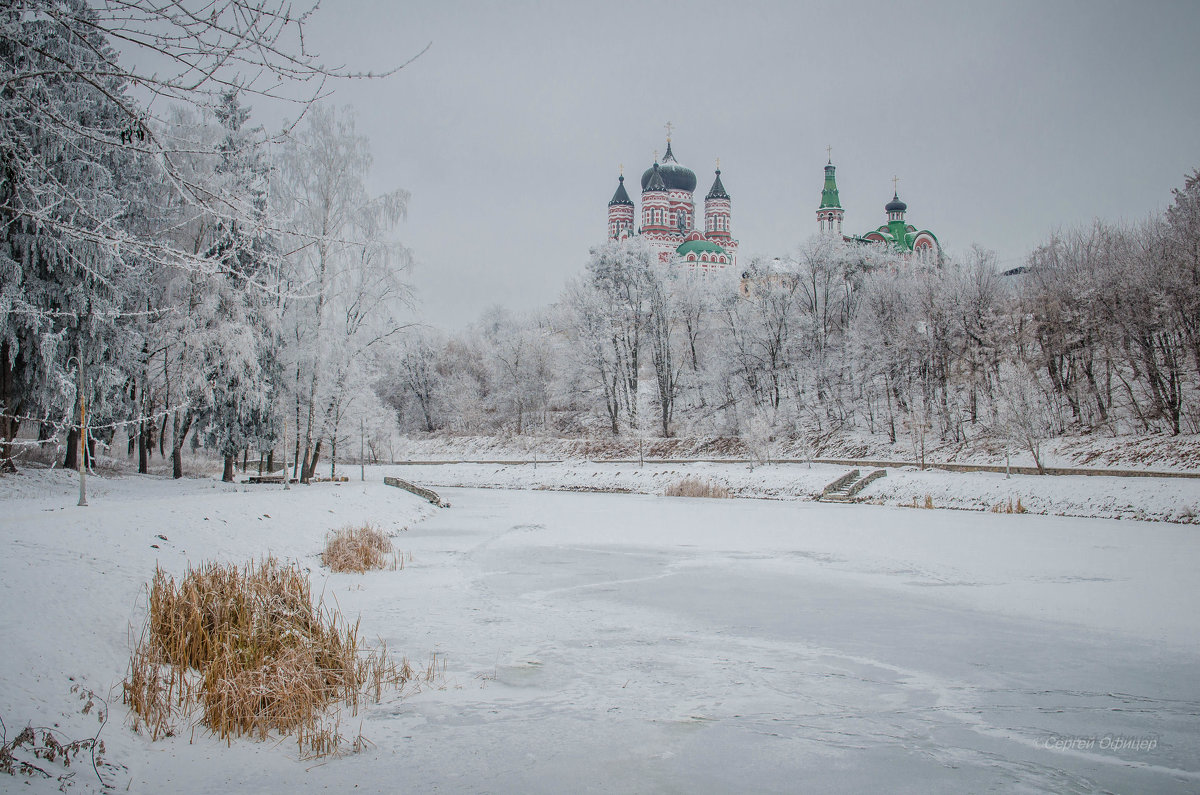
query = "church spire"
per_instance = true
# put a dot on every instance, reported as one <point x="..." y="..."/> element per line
<point x="621" y="196"/>
<point x="717" y="191"/>
<point x="620" y="211"/>
<point x="829" y="193"/>
<point x="656" y="182"/>
<point x="718" y="214"/>
<point x="830" y="212"/>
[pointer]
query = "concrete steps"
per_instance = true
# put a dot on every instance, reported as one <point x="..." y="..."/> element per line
<point x="847" y="487"/>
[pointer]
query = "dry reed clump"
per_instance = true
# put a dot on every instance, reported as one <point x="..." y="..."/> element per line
<point x="249" y="650"/>
<point x="1000" y="507"/>
<point x="928" y="504"/>
<point x="359" y="549"/>
<point x="695" y="487"/>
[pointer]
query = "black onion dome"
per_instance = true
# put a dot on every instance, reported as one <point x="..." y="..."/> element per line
<point x="621" y="197"/>
<point x="674" y="176"/>
<point x="655" y="181"/>
<point x="895" y="205"/>
<point x="717" y="191"/>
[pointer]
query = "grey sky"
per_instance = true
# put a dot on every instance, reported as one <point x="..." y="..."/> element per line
<point x="1004" y="121"/>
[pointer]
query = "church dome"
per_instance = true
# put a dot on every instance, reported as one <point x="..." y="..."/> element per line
<point x="699" y="247"/>
<point x="895" y="205"/>
<point x="674" y="176"/>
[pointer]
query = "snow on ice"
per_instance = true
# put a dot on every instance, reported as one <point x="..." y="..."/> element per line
<point x="631" y="642"/>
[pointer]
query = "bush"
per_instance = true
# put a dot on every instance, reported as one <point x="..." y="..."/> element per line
<point x="248" y="648"/>
<point x="695" y="487"/>
<point x="358" y="549"/>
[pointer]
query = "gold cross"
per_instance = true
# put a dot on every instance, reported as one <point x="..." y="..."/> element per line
<point x="669" y="126"/>
<point x="829" y="151"/>
<point x="718" y="164"/>
<point x="655" y="155"/>
<point x="622" y="169"/>
<point x="895" y="180"/>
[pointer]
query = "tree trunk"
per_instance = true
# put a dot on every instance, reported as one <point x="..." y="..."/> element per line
<point x="144" y="447"/>
<point x="8" y="408"/>
<point x="71" y="460"/>
<point x="227" y="475"/>
<point x="180" y="430"/>
<point x="316" y="456"/>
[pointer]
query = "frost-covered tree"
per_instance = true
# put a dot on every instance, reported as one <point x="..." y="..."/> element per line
<point x="611" y="312"/>
<point x="65" y="200"/>
<point x="88" y="172"/>
<point x="343" y="273"/>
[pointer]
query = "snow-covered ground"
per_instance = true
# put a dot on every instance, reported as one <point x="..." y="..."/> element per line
<point x="1155" y="452"/>
<point x="1163" y="499"/>
<point x="626" y="642"/>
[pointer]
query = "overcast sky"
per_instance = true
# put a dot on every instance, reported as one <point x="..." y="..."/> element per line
<point x="1003" y="121"/>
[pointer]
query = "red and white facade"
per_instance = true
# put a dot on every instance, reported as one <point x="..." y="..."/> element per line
<point x="668" y="216"/>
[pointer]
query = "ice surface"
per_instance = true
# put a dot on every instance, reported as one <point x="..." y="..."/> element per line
<point x="633" y="643"/>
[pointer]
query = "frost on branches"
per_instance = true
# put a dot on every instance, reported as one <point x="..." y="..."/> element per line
<point x="150" y="271"/>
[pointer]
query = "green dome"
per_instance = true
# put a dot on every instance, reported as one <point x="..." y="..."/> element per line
<point x="698" y="247"/>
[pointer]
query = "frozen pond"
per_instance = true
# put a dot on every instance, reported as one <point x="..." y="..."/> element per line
<point x="635" y="643"/>
<point x="632" y="643"/>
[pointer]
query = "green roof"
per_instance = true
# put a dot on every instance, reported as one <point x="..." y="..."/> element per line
<point x="698" y="247"/>
<point x="829" y="194"/>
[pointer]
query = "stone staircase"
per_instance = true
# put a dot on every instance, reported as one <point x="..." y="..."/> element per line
<point x="845" y="488"/>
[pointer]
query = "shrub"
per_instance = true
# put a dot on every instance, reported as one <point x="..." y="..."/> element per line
<point x="358" y="549"/>
<point x="45" y="753"/>
<point x="250" y="651"/>
<point x="695" y="487"/>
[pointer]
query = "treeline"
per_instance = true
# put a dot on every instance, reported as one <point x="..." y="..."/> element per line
<point x="188" y="278"/>
<point x="1098" y="331"/>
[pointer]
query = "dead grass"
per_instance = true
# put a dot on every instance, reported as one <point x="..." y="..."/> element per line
<point x="248" y="652"/>
<point x="1001" y="507"/>
<point x="695" y="487"/>
<point x="359" y="549"/>
<point x="927" y="504"/>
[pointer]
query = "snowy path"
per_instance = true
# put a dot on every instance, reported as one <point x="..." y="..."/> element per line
<point x="631" y="643"/>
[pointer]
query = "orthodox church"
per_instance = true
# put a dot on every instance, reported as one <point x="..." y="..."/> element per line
<point x="897" y="232"/>
<point x="668" y="216"/>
